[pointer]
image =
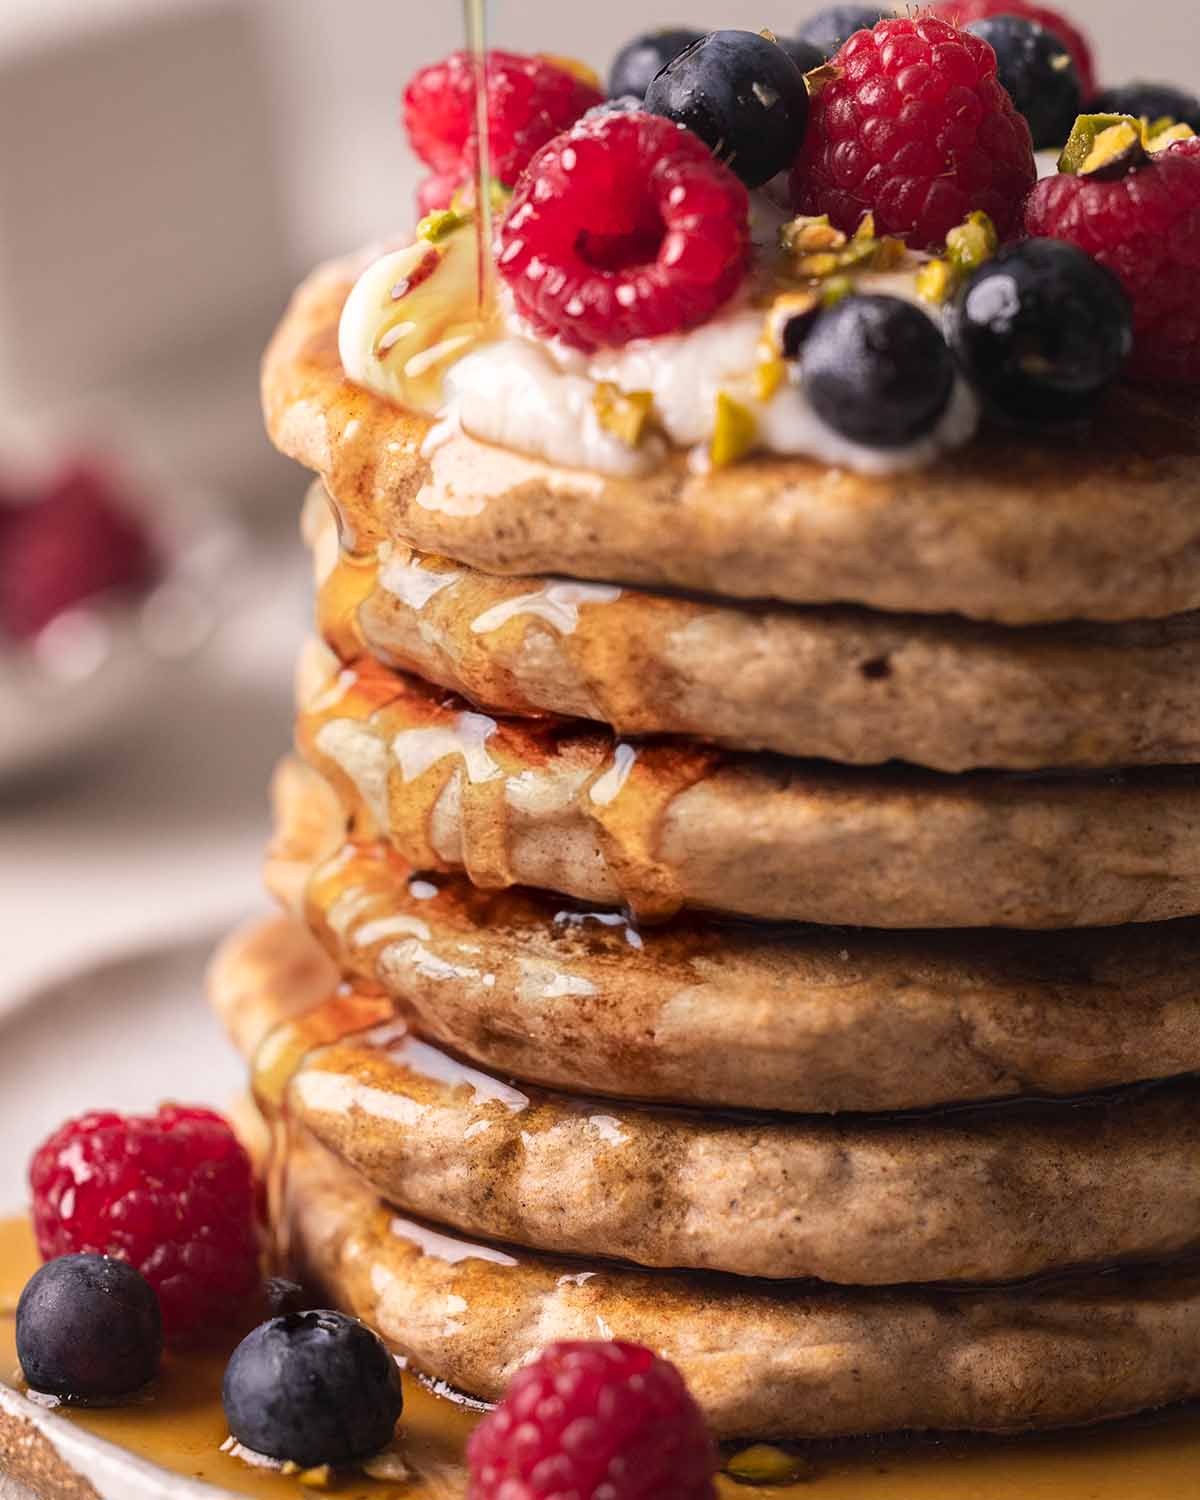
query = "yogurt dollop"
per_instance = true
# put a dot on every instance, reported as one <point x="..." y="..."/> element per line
<point x="407" y="333"/>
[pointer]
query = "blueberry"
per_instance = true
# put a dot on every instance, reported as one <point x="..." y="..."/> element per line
<point x="88" y="1327"/>
<point x="1154" y="100"/>
<point x="742" y="95"/>
<point x="827" y="29"/>
<point x="1039" y="74"/>
<point x="876" y="370"/>
<point x="641" y="60"/>
<point x="1041" y="330"/>
<point x="314" y="1387"/>
<point x="803" y="54"/>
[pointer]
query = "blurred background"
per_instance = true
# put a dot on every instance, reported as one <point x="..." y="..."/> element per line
<point x="168" y="169"/>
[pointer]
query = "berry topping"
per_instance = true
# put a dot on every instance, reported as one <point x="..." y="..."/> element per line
<point x="1038" y="72"/>
<point x="1149" y="101"/>
<point x="1144" y="226"/>
<point x="916" y="129"/>
<point x="312" y="1388"/>
<point x="639" y="61"/>
<point x="876" y="370"/>
<point x="594" y="1420"/>
<point x="832" y="27"/>
<point x="171" y="1193"/>
<point x="1041" y="330"/>
<point x="624" y="227"/>
<point x="73" y="544"/>
<point x="88" y="1328"/>
<point x="530" y="100"/>
<point x="742" y="95"/>
<point x="963" y="12"/>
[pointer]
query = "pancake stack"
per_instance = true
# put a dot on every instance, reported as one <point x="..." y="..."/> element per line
<point x="805" y="988"/>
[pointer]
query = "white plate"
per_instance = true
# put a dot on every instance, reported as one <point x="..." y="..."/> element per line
<point x="123" y="1034"/>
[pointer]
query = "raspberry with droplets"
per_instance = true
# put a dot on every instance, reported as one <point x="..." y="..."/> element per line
<point x="609" y="1420"/>
<point x="530" y="100"/>
<point x="624" y="227"/>
<point x="915" y="128"/>
<point x="172" y="1193"/>
<point x="1145" y="227"/>
<point x="963" y="12"/>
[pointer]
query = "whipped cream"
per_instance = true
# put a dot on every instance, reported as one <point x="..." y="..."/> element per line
<point x="408" y="332"/>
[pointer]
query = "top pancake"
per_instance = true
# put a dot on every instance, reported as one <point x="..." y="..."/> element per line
<point x="1098" y="523"/>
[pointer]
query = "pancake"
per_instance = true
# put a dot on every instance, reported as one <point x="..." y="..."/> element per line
<point x="1100" y="522"/>
<point x="849" y="685"/>
<point x="762" y="1359"/>
<point x="666" y="825"/>
<point x="703" y="1012"/>
<point x="973" y="1195"/>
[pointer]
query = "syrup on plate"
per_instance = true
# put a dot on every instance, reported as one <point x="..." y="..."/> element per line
<point x="181" y="1427"/>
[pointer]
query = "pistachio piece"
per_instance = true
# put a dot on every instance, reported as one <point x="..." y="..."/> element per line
<point x="624" y="414"/>
<point x="972" y="242"/>
<point x="768" y="377"/>
<point x="441" y="223"/>
<point x="821" y="78"/>
<point x="1163" y="133"/>
<point x="734" y="433"/>
<point x="320" y="1478"/>
<point x="936" y="281"/>
<point x="1103" y="146"/>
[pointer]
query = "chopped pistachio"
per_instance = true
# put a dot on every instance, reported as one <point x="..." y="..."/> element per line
<point x="734" y="433"/>
<point x="768" y="35"/>
<point x="768" y="377"/>
<point x="972" y="242"/>
<point x="835" y="289"/>
<point x="624" y="414"/>
<point x="290" y="1468"/>
<point x="936" y="281"/>
<point x="1160" y="135"/>
<point x="866" y="227"/>
<point x="765" y="1464"/>
<point x="820" y="78"/>
<point x="442" y="222"/>
<point x="388" y="1465"/>
<point x="808" y="232"/>
<point x="320" y="1478"/>
<point x="889" y="252"/>
<point x="1116" y="134"/>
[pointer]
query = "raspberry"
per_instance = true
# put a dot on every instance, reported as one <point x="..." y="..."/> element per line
<point x="172" y="1194"/>
<point x="597" y="1422"/>
<point x="963" y="12"/>
<point x="530" y="100"/>
<point x="625" y="227"/>
<point x="73" y="544"/>
<point x="1145" y="227"/>
<point x="917" y="130"/>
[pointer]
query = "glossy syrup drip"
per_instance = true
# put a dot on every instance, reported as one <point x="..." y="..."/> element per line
<point x="181" y="1427"/>
<point x="395" y="749"/>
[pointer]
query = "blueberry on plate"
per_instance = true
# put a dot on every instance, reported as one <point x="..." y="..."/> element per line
<point x="876" y="370"/>
<point x="742" y="95"/>
<point x="1041" y="330"/>
<point x="88" y="1328"/>
<point x="313" y="1388"/>
<point x="641" y="60"/>
<point x="1039" y="74"/>
<point x="827" y="29"/>
<point x="1154" y="100"/>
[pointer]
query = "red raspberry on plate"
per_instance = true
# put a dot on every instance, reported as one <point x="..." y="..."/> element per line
<point x="530" y="100"/>
<point x="917" y="130"/>
<point x="75" y="543"/>
<point x="963" y="12"/>
<point x="624" y="227"/>
<point x="172" y="1193"/>
<point x="1145" y="227"/>
<point x="594" y="1420"/>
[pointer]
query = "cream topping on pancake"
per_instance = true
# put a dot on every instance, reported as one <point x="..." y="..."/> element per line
<point x="408" y="333"/>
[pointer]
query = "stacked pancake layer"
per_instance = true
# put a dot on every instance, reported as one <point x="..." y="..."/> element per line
<point x="808" y="989"/>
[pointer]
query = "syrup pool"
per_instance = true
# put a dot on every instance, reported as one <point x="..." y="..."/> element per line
<point x="181" y="1428"/>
